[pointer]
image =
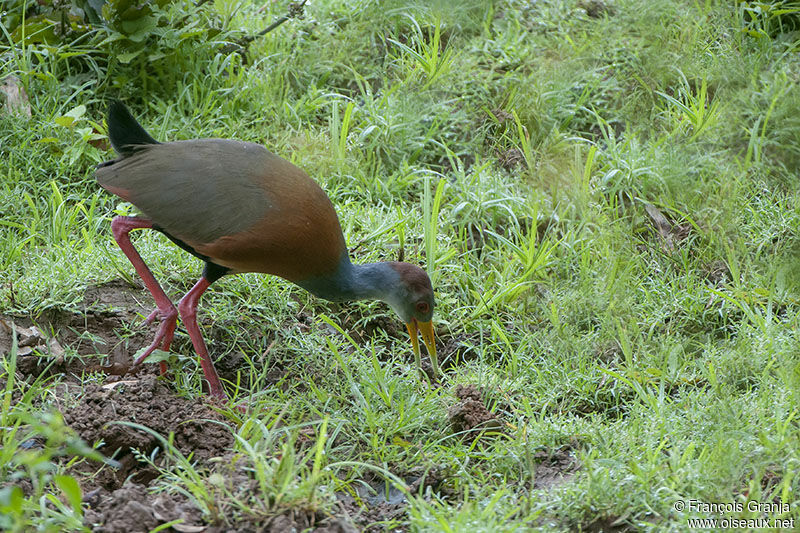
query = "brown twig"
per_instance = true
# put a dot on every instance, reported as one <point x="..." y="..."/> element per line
<point x="295" y="11"/>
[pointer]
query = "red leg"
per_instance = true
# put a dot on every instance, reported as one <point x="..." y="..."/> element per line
<point x="188" y="309"/>
<point x="121" y="227"/>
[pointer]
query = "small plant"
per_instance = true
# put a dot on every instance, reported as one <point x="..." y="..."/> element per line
<point x="87" y="133"/>
<point x="340" y="128"/>
<point x="523" y="141"/>
<point x="430" y="215"/>
<point x="427" y="54"/>
<point x="693" y="107"/>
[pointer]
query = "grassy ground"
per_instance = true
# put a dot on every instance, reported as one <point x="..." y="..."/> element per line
<point x="604" y="193"/>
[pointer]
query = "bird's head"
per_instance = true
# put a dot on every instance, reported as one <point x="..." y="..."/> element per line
<point x="413" y="300"/>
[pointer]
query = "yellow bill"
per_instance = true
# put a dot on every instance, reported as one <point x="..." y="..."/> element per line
<point x="426" y="328"/>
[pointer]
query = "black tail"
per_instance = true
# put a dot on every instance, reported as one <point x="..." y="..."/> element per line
<point x="123" y="130"/>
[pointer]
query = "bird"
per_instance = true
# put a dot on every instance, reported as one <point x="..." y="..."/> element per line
<point x="240" y="208"/>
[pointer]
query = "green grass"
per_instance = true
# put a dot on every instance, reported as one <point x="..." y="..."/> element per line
<point x="669" y="372"/>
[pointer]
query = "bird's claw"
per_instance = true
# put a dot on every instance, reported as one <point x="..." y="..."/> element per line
<point x="164" y="335"/>
<point x="157" y="313"/>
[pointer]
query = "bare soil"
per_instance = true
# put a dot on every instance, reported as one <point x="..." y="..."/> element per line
<point x="554" y="468"/>
<point x="198" y="430"/>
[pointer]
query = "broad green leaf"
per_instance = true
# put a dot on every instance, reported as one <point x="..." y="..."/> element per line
<point x="64" y="121"/>
<point x="76" y="112"/>
<point x="71" y="490"/>
<point x="157" y="356"/>
<point x="128" y="56"/>
<point x="11" y="499"/>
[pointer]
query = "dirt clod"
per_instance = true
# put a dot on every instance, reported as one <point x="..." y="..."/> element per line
<point x="131" y="509"/>
<point x="470" y="417"/>
<point x="198" y="430"/>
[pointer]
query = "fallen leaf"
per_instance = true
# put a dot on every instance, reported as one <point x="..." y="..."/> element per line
<point x="659" y="220"/>
<point x="661" y="224"/>
<point x="116" y="369"/>
<point x="156" y="357"/>
<point x="55" y="348"/>
<point x="25" y="350"/>
<point x="115" y="384"/>
<point x="29" y="336"/>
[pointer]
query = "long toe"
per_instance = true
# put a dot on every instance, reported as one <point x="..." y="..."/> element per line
<point x="152" y="316"/>
<point x="164" y="335"/>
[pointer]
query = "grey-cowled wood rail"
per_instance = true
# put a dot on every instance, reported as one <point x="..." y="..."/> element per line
<point x="240" y="208"/>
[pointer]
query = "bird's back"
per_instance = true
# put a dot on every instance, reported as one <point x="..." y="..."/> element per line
<point x="233" y="202"/>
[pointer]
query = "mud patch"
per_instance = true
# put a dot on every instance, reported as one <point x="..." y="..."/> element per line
<point x="100" y="336"/>
<point x="48" y="346"/>
<point x="554" y="468"/>
<point x="133" y="509"/>
<point x="117" y="297"/>
<point x="458" y="349"/>
<point x="199" y="431"/>
<point x="469" y="418"/>
<point x="374" y="504"/>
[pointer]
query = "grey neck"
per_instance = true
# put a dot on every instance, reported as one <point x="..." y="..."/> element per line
<point x="372" y="281"/>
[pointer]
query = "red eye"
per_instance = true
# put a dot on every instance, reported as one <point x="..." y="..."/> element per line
<point x="423" y="307"/>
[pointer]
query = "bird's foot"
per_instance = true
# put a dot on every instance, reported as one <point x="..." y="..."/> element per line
<point x="164" y="334"/>
<point x="152" y="316"/>
<point x="158" y="313"/>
